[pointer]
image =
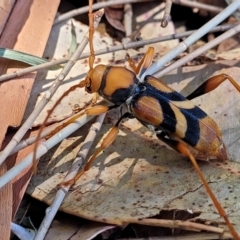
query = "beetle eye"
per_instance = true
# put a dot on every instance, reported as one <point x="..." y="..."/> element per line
<point x="89" y="89"/>
<point x="89" y="85"/>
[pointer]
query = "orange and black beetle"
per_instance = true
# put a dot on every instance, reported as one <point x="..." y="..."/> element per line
<point x="175" y="119"/>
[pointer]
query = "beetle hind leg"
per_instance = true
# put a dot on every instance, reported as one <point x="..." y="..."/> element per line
<point x="183" y="149"/>
<point x="211" y="84"/>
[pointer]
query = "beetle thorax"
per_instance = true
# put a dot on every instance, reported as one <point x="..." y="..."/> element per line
<point x="114" y="84"/>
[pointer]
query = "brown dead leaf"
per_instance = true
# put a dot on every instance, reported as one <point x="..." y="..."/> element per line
<point x="217" y="3"/>
<point x="114" y="15"/>
<point x="137" y="176"/>
<point x="228" y="55"/>
<point x="63" y="228"/>
<point x="91" y="230"/>
<point x="229" y="43"/>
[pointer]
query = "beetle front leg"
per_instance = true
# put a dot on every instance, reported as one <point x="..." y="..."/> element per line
<point x="144" y="64"/>
<point x="211" y="84"/>
<point x="95" y="110"/>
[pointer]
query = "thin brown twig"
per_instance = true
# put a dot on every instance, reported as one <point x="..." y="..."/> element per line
<point x="202" y="6"/>
<point x="166" y="16"/>
<point x="135" y="44"/>
<point x="128" y="19"/>
<point x="191" y="226"/>
<point x="198" y="236"/>
<point x="27" y="142"/>
<point x="61" y="193"/>
<point x="95" y="6"/>
<point x="198" y="51"/>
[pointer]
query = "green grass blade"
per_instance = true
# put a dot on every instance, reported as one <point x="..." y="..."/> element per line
<point x="24" y="57"/>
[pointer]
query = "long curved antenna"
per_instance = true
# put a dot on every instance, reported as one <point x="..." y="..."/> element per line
<point x="95" y="19"/>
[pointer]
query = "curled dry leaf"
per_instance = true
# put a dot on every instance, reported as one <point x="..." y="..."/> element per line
<point x="114" y="15"/>
<point x="228" y="55"/>
<point x="91" y="230"/>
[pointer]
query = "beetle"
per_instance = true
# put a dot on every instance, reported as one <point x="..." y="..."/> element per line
<point x="173" y="117"/>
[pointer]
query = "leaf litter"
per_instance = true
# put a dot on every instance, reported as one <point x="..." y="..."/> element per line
<point x="137" y="177"/>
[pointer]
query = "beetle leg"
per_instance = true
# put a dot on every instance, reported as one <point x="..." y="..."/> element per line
<point x="211" y="84"/>
<point x="144" y="64"/>
<point x="131" y="63"/>
<point x="95" y="110"/>
<point x="94" y="99"/>
<point x="107" y="141"/>
<point x="184" y="149"/>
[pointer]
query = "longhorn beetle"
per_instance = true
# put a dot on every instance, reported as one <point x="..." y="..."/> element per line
<point x="173" y="117"/>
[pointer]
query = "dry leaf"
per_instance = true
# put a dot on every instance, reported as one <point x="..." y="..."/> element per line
<point x="137" y="176"/>
<point x="91" y="230"/>
<point x="229" y="55"/>
<point x="63" y="228"/>
<point x="114" y="15"/>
